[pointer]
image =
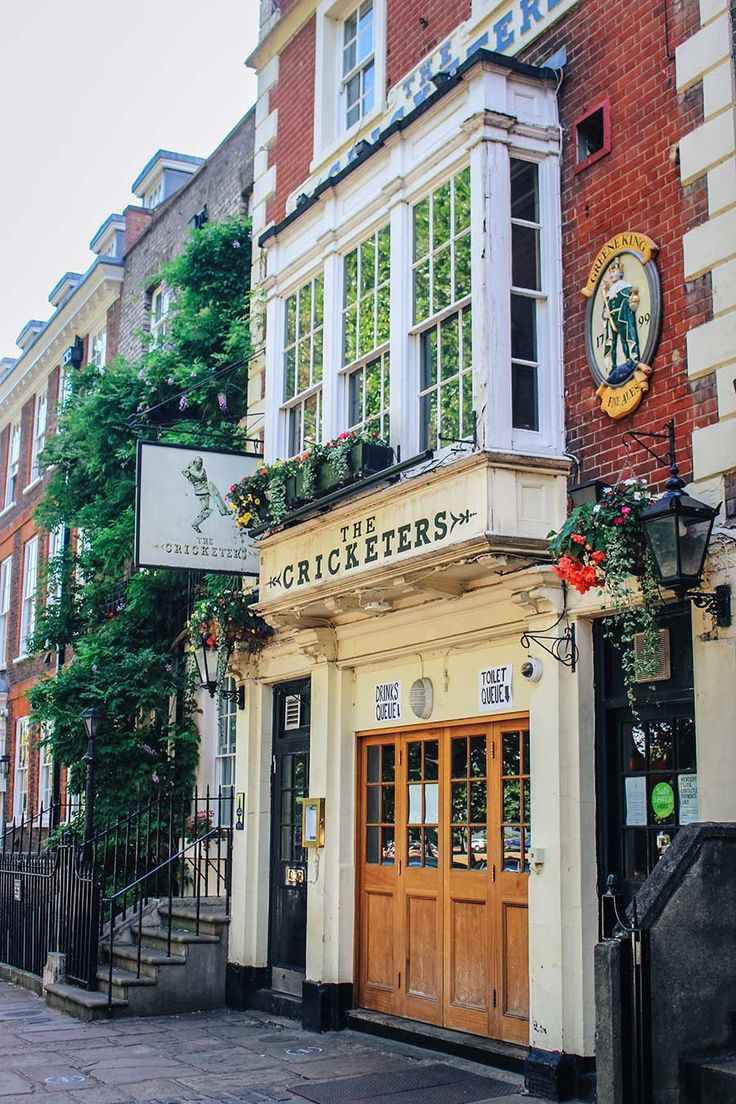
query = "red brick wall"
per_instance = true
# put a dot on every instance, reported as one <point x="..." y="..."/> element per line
<point x="293" y="98"/>
<point x="635" y="187"/>
<point x="414" y="27"/>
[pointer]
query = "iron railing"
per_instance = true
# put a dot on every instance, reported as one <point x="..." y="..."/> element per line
<point x="64" y="893"/>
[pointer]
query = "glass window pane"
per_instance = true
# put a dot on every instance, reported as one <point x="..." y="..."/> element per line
<point x="383" y="331"/>
<point x="478" y="756"/>
<point x="317" y="357"/>
<point x="305" y="309"/>
<point x="660" y="744"/>
<point x="460" y="848"/>
<point x="431" y="803"/>
<point x="523" y="328"/>
<point x="429" y="359"/>
<point x="441" y="215"/>
<point x="388" y="847"/>
<point x="462" y="266"/>
<point x="431" y="760"/>
<point x="367" y="325"/>
<point x="384" y="254"/>
<point x="429" y="421"/>
<point x="388" y="762"/>
<point x="290" y="373"/>
<point x="524" y="400"/>
<point x="442" y="284"/>
<point x="414" y="847"/>
<point x="319" y="300"/>
<point x="635" y="853"/>
<point x="527" y="796"/>
<point x="351" y="335"/>
<point x="525" y="257"/>
<point x="415" y="804"/>
<point x="467" y="420"/>
<point x="459" y="757"/>
<point x="355" y="397"/>
<point x="304" y="353"/>
<point x="369" y="83"/>
<point x="373" y="814"/>
<point x="415" y="761"/>
<point x="431" y="847"/>
<point x="635" y="746"/>
<point x="372" y="763"/>
<point x="367" y="265"/>
<point x="450" y="420"/>
<point x="477" y="802"/>
<point x="479" y="848"/>
<point x="291" y="319"/>
<point x="511" y="838"/>
<point x="351" y="277"/>
<point x="421" y="229"/>
<point x="511" y="802"/>
<point x="467" y="337"/>
<point x="421" y="291"/>
<point x="450" y="347"/>
<point x="371" y="844"/>
<point x="462" y="200"/>
<point x="524" y="191"/>
<point x="387" y="804"/>
<point x="686" y="743"/>
<point x="511" y="760"/>
<point x="459" y="802"/>
<point x="527" y="759"/>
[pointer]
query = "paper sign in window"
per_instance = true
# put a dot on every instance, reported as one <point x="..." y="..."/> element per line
<point x="636" y="801"/>
<point x="688" y="789"/>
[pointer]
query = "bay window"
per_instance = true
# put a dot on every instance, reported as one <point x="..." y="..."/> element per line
<point x="366" y="321"/>
<point x="303" y="360"/>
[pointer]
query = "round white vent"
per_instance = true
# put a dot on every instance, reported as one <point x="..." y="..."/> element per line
<point x="421" y="698"/>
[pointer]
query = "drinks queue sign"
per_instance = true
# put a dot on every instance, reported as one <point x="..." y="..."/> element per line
<point x="183" y="520"/>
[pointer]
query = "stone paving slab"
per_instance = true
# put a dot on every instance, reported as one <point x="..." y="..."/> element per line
<point x="219" y="1057"/>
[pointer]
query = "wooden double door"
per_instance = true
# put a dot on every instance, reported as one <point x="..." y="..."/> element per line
<point x="444" y="839"/>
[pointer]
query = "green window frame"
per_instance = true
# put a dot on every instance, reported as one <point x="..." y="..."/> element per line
<point x="303" y="364"/>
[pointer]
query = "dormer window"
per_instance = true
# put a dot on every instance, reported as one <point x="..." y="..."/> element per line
<point x="358" y="64"/>
<point x="98" y="348"/>
<point x="155" y="196"/>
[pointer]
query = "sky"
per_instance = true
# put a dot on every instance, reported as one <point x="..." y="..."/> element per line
<point x="89" y="90"/>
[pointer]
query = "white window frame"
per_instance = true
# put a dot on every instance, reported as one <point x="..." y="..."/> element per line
<point x="379" y="352"/>
<point x="11" y="475"/>
<point x="29" y="594"/>
<point x="6" y="582"/>
<point x="56" y="547"/>
<point x="359" y="69"/>
<point x="226" y="745"/>
<point x="45" y="775"/>
<point x="294" y="406"/>
<point x="155" y="196"/>
<point x="330" y="131"/>
<point x="98" y="347"/>
<point x="40" y="421"/>
<point x="20" y="777"/>
<point x="159" y="315"/>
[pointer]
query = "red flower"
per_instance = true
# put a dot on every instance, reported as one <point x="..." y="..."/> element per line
<point x="598" y="557"/>
<point x="578" y="538"/>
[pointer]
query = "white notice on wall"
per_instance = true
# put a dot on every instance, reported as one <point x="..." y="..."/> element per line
<point x="494" y="689"/>
<point x="388" y="702"/>
<point x="636" y="800"/>
<point x="688" y="787"/>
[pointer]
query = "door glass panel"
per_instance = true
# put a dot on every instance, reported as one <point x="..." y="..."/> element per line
<point x="431" y="760"/>
<point x="431" y="848"/>
<point x="660" y="744"/>
<point x="635" y="744"/>
<point x="431" y="803"/>
<point x="516" y="802"/>
<point x="415" y="804"/>
<point x="686" y="743"/>
<point x="468" y="803"/>
<point x="380" y="804"/>
<point x="415" y="761"/>
<point x="414" y="857"/>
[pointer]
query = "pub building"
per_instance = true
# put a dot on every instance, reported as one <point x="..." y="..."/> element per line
<point x="435" y="184"/>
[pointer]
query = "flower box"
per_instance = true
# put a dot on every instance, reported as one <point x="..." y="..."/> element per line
<point x="364" y="458"/>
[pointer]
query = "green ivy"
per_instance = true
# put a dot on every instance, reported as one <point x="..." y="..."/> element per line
<point x="124" y="632"/>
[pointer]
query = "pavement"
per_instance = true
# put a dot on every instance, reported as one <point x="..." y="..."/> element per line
<point x="221" y="1057"/>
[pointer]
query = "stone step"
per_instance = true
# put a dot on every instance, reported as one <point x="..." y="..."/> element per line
<point x="82" y="1003"/>
<point x="122" y="980"/>
<point x="123" y="954"/>
<point x="212" y="918"/>
<point x="156" y="937"/>
<point x="711" y="1080"/>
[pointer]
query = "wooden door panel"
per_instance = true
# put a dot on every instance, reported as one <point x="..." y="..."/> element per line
<point x="515" y="941"/>
<point x="423" y="943"/>
<point x="380" y="967"/>
<point x="468" y="957"/>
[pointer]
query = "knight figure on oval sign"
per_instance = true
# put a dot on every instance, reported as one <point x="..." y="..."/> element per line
<point x="623" y="321"/>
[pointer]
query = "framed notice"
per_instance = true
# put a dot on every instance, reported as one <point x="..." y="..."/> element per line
<point x="183" y="520"/>
<point x="494" y="689"/>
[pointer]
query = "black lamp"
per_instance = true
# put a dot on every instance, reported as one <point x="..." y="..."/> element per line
<point x="678" y="529"/>
<point x="589" y="492"/>
<point x="92" y="719"/>
<point x="206" y="659"/>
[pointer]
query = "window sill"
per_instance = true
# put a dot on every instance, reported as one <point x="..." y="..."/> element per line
<point x="7" y="509"/>
<point x="348" y="138"/>
<point x="23" y="658"/>
<point x="34" y="483"/>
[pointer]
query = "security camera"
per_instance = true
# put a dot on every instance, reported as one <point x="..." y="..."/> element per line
<point x="531" y="670"/>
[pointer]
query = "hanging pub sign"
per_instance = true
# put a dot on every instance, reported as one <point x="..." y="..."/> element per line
<point x="623" y="321"/>
<point x="182" y="518"/>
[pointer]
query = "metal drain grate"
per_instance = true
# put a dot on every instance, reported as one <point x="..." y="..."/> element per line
<point x="435" y="1084"/>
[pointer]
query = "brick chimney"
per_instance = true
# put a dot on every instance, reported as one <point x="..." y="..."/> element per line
<point x="136" y="222"/>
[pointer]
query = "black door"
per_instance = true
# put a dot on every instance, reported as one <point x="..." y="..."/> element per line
<point x="288" y="857"/>
<point x="647" y="769"/>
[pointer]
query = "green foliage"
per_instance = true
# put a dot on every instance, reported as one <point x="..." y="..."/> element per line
<point x="125" y="634"/>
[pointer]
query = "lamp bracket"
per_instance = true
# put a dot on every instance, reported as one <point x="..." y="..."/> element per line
<point x="717" y="603"/>
<point x="563" y="648"/>
<point x="237" y="696"/>
<point x="637" y="436"/>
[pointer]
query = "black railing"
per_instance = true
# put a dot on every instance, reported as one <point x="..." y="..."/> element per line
<point x="49" y="901"/>
<point x="54" y="898"/>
